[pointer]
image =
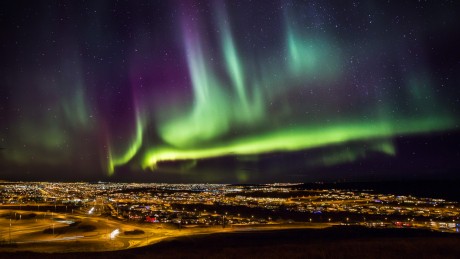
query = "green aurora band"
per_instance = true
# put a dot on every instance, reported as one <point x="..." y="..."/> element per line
<point x="238" y="97"/>
<point x="188" y="87"/>
<point x="136" y="143"/>
<point x="301" y="138"/>
<point x="219" y="107"/>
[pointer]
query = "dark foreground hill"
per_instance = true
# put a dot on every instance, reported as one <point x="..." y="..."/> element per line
<point x="336" y="242"/>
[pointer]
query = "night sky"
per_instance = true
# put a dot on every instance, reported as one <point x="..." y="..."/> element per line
<point x="229" y="91"/>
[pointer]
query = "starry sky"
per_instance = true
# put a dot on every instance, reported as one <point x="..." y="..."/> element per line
<point x="229" y="91"/>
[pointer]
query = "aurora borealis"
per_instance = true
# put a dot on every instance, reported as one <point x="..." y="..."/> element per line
<point x="118" y="89"/>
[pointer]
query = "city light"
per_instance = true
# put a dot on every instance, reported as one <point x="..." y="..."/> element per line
<point x="42" y="210"/>
<point x="114" y="233"/>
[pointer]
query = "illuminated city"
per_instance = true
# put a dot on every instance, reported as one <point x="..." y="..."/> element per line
<point x="112" y="216"/>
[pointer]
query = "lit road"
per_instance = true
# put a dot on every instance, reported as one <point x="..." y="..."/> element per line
<point x="96" y="233"/>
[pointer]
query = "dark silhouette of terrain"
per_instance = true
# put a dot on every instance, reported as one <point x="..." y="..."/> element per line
<point x="337" y="242"/>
